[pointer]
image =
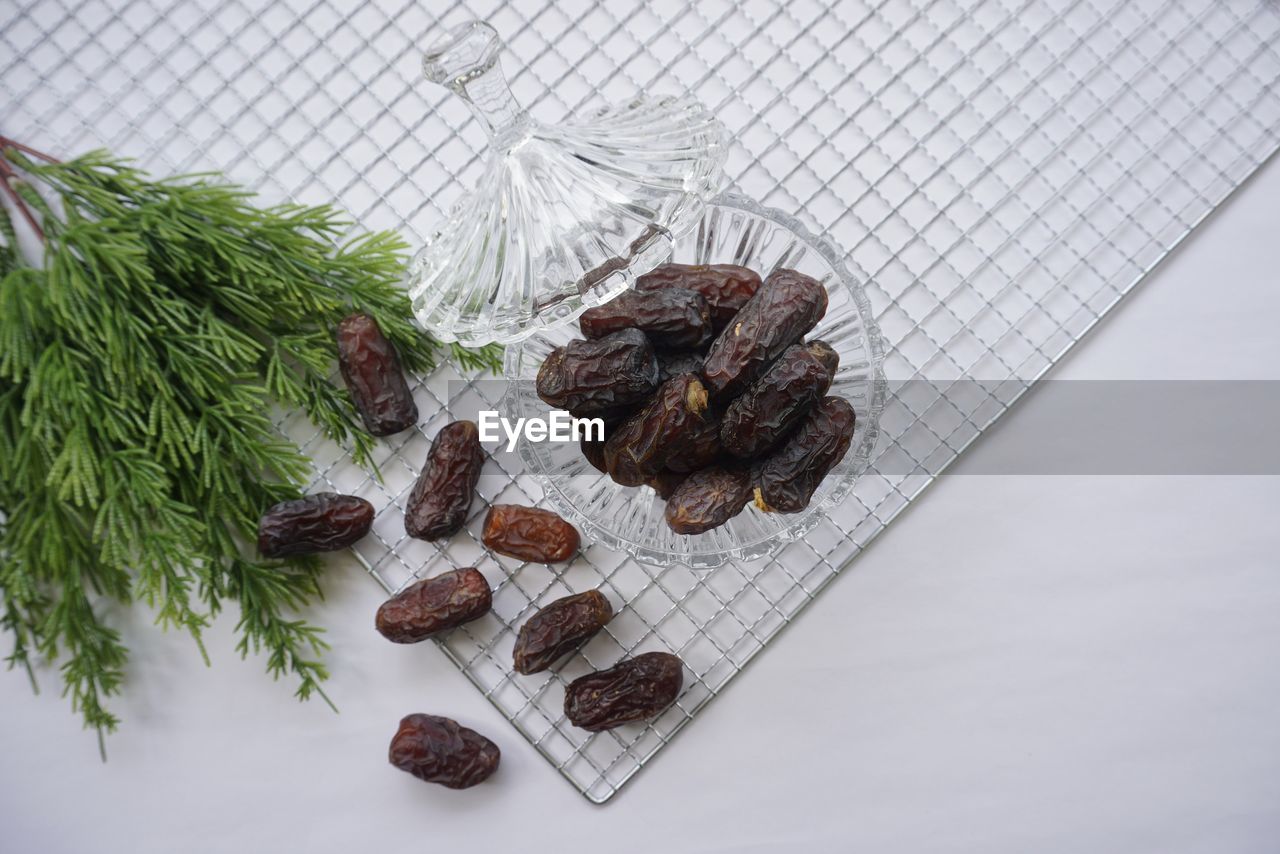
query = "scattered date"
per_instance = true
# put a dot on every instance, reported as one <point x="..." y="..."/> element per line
<point x="530" y="534"/>
<point x="434" y="605"/>
<point x="323" y="522"/>
<point x="371" y="370"/>
<point x="786" y="481"/>
<point x="439" y="750"/>
<point x="787" y="306"/>
<point x="673" y="319"/>
<point x="559" y="629"/>
<point x="632" y="690"/>
<point x="707" y="499"/>
<point x="441" y="497"/>
<point x="599" y="377"/>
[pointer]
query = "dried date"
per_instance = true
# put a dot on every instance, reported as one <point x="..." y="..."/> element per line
<point x="826" y="354"/>
<point x="640" y="447"/>
<point x="441" y="497"/>
<point x="599" y="377"/>
<point x="787" y="306"/>
<point x="707" y="499"/>
<point x="673" y="364"/>
<point x="786" y="481"/>
<point x="559" y="629"/>
<point x="664" y="483"/>
<point x="725" y="287"/>
<point x="434" y="605"/>
<point x="371" y="370"/>
<point x="701" y="449"/>
<point x="323" y="522"/>
<point x="632" y="690"/>
<point x="593" y="451"/>
<point x="673" y="319"/>
<point x="439" y="750"/>
<point x="530" y="534"/>
<point x="763" y="414"/>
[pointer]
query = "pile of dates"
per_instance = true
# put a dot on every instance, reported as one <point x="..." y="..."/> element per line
<point x="709" y="392"/>
<point x="430" y="747"/>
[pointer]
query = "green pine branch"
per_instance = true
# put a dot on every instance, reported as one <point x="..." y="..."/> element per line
<point x="138" y="361"/>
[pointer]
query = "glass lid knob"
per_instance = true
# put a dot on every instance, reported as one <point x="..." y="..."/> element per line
<point x="564" y="216"/>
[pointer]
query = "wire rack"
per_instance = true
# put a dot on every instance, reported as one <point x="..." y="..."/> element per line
<point x="1001" y="172"/>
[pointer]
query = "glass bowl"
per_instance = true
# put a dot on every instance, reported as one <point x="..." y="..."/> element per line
<point x="733" y="230"/>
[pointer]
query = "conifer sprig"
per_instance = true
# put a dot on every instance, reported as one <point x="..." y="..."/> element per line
<point x="139" y="359"/>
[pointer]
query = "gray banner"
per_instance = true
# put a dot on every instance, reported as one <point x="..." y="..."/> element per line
<point x="1139" y="427"/>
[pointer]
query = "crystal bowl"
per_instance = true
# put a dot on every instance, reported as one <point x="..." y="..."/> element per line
<point x="733" y="230"/>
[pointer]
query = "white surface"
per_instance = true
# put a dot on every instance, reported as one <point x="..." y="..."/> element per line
<point x="1019" y="664"/>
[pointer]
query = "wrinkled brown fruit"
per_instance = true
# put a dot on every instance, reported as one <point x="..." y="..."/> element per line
<point x="640" y="447"/>
<point x="323" y="522"/>
<point x="439" y="750"/>
<point x="434" y="605"/>
<point x="707" y="499"/>
<point x="441" y="496"/>
<point x="632" y="690"/>
<point x="604" y="377"/>
<point x="767" y="411"/>
<point x="786" y="307"/>
<point x="674" y="319"/>
<point x="559" y="629"/>
<point x="530" y="533"/>
<point x="786" y="481"/>
<point x="371" y="370"/>
<point x="674" y="363"/>
<point x="725" y="287"/>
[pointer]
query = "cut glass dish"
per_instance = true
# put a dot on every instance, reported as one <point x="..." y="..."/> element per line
<point x="564" y="217"/>
<point x="732" y="230"/>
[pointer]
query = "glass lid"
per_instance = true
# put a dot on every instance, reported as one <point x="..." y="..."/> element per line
<point x="563" y="217"/>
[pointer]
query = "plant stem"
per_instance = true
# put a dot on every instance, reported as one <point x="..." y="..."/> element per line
<point x="6" y="142"/>
<point x="8" y="174"/>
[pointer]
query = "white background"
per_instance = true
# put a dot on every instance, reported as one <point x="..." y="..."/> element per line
<point x="1019" y="664"/>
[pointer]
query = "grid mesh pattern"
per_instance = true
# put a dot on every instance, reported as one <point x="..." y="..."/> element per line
<point x="1001" y="172"/>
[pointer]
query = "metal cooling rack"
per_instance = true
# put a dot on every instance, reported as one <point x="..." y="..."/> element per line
<point x="1001" y="171"/>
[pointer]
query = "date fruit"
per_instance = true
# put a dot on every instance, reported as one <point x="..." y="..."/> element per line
<point x="371" y="370"/>
<point x="786" y="481"/>
<point x="439" y="750"/>
<point x="631" y="690"/>
<point x="763" y="414"/>
<point x="323" y="522"/>
<point x="725" y="287"/>
<point x="707" y="499"/>
<point x="530" y="534"/>
<point x="673" y="319"/>
<point x="700" y="450"/>
<point x="664" y="483"/>
<point x="559" y="629"/>
<point x="599" y="377"/>
<point x="593" y="450"/>
<point x="673" y="364"/>
<point x="433" y="605"/>
<point x="441" y="497"/>
<point x="787" y="306"/>
<point x="826" y="354"/>
<point x="640" y="447"/>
